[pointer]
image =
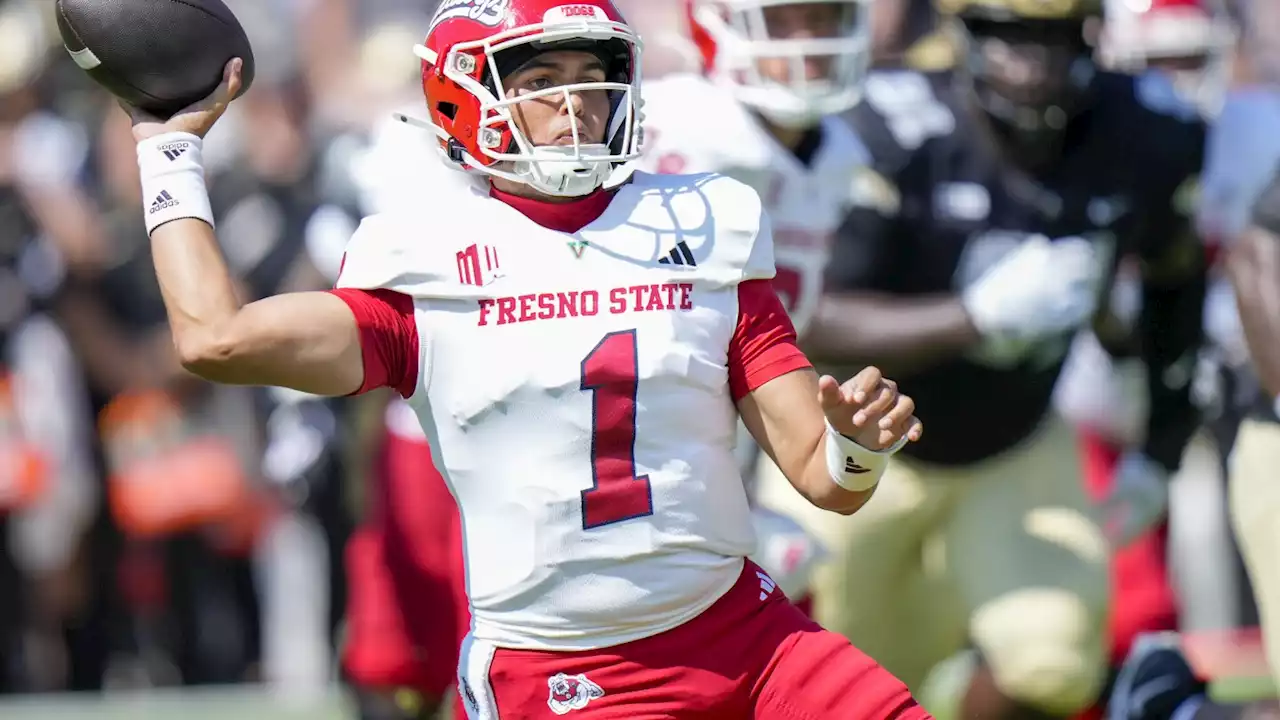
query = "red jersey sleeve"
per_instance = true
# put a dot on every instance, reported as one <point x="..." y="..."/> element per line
<point x="388" y="338"/>
<point x="763" y="346"/>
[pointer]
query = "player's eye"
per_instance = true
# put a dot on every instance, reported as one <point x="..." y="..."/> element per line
<point x="541" y="82"/>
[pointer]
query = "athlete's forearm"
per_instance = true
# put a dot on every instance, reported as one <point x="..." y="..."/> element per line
<point x="787" y="422"/>
<point x="1254" y="267"/>
<point x="198" y="292"/>
<point x="897" y="334"/>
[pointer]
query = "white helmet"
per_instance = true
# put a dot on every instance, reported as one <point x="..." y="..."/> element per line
<point x="733" y="36"/>
<point x="1139" y="34"/>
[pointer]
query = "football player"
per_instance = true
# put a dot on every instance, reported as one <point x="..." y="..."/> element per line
<point x="1157" y="683"/>
<point x="579" y="395"/>
<point x="764" y="110"/>
<point x="1237" y="218"/>
<point x="1188" y="41"/>
<point x="997" y="202"/>
<point x="1184" y="47"/>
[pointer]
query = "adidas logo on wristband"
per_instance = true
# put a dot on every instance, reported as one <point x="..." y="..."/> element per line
<point x="173" y="151"/>
<point x="163" y="201"/>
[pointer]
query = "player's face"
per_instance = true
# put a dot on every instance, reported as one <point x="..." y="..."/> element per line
<point x="806" y="21"/>
<point x="549" y="120"/>
<point x="1029" y="63"/>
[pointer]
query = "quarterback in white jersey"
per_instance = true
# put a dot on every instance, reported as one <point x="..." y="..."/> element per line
<point x="579" y="395"/>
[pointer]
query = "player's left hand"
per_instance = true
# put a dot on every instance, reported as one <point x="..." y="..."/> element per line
<point x="1138" y="501"/>
<point x="869" y="409"/>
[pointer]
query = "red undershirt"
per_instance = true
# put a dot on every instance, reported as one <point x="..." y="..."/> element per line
<point x="763" y="345"/>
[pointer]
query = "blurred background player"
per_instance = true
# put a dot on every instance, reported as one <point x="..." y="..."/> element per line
<point x="764" y="110"/>
<point x="997" y="204"/>
<point x="1190" y="42"/>
<point x="1183" y="47"/>
<point x="408" y="608"/>
<point x="1240" y="203"/>
<point x="1158" y="682"/>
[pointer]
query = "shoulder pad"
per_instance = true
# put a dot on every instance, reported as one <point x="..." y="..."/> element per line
<point x="875" y="192"/>
<point x="408" y="252"/>
<point x="693" y="125"/>
<point x="385" y="253"/>
<point x="722" y="220"/>
<point x="903" y="111"/>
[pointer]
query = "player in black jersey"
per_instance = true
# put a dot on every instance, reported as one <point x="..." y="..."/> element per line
<point x="998" y="200"/>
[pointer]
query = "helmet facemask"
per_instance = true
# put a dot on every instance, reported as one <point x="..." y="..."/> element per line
<point x="571" y="170"/>
<point x="744" y="38"/>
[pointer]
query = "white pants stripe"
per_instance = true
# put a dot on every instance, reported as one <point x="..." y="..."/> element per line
<point x="473" y="679"/>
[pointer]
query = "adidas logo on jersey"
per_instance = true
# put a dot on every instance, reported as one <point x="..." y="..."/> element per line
<point x="767" y="585"/>
<point x="173" y="151"/>
<point x="163" y="201"/>
<point x="679" y="255"/>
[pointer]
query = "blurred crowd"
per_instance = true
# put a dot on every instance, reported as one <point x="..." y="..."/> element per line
<point x="156" y="530"/>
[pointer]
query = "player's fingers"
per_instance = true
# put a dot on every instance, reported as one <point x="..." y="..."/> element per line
<point x="882" y="400"/>
<point x="231" y="78"/>
<point x="828" y="392"/>
<point x="903" y="408"/>
<point x="915" y="429"/>
<point x="859" y="387"/>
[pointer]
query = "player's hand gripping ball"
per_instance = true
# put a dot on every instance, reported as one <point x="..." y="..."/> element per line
<point x="196" y="119"/>
<point x="159" y="56"/>
<point x="869" y="409"/>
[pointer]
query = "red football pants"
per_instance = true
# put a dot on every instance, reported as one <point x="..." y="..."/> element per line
<point x="1142" y="598"/>
<point x="407" y="608"/>
<point x="750" y="655"/>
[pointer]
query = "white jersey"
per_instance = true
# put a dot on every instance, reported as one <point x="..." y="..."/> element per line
<point x="1241" y="158"/>
<point x="576" y="398"/>
<point x="694" y="125"/>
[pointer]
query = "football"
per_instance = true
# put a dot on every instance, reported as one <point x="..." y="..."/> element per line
<point x="157" y="55"/>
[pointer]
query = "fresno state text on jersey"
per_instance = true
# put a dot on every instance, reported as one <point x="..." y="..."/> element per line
<point x="579" y="400"/>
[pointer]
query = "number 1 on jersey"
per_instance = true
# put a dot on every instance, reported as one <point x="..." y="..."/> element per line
<point x="611" y="373"/>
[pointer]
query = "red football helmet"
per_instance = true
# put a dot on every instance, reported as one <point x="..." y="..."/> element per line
<point x="733" y="36"/>
<point x="1193" y="38"/>
<point x="470" y="44"/>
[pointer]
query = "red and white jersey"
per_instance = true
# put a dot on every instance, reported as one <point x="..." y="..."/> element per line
<point x="694" y="125"/>
<point x="577" y="389"/>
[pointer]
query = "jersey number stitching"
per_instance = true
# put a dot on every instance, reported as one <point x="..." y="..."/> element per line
<point x="611" y="373"/>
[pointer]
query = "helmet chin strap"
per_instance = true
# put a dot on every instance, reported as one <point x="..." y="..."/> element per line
<point x="551" y="170"/>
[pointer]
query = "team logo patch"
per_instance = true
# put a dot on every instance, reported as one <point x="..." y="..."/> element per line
<point x="485" y="12"/>
<point x="571" y="692"/>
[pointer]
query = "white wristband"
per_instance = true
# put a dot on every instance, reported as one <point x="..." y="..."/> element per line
<point x="172" y="169"/>
<point x="854" y="467"/>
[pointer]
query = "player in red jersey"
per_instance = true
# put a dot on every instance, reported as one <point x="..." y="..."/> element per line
<point x="580" y="394"/>
<point x="407" y="609"/>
